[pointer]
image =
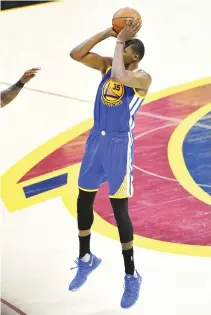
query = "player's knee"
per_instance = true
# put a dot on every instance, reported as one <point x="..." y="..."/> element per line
<point x="85" y="209"/>
<point x="124" y="223"/>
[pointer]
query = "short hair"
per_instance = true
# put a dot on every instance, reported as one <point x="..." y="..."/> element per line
<point x="137" y="46"/>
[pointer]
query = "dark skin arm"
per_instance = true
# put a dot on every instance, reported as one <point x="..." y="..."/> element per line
<point x="81" y="53"/>
<point x="140" y="80"/>
<point x="10" y="94"/>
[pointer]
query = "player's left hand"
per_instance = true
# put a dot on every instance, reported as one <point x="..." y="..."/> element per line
<point x="130" y="30"/>
<point x="29" y="74"/>
<point x="111" y="32"/>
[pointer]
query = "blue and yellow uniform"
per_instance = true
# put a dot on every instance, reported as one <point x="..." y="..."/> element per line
<point x="110" y="146"/>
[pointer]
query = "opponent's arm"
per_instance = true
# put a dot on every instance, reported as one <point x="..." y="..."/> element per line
<point x="9" y="94"/>
<point x="140" y="80"/>
<point x="81" y="53"/>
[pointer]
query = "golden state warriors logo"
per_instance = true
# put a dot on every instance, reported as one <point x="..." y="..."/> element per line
<point x="112" y="93"/>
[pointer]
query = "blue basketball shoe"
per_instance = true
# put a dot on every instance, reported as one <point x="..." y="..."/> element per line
<point x="131" y="290"/>
<point x="84" y="269"/>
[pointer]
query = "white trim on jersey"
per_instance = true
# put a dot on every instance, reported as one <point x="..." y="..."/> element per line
<point x="133" y="110"/>
<point x="132" y="102"/>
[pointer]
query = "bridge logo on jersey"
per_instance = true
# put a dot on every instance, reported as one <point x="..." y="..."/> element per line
<point x="112" y="93"/>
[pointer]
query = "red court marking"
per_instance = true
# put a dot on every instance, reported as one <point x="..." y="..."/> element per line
<point x="69" y="154"/>
<point x="151" y="148"/>
<point x="160" y="209"/>
<point x="178" y="105"/>
<point x="12" y="307"/>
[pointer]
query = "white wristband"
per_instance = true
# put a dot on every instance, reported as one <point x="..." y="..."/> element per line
<point x="120" y="41"/>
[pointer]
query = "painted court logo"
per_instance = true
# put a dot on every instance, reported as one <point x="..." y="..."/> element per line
<point x="112" y="93"/>
<point x="167" y="139"/>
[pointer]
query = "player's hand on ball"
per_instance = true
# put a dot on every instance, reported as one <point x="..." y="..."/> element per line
<point x="130" y="30"/>
<point x="29" y="74"/>
<point x="111" y="32"/>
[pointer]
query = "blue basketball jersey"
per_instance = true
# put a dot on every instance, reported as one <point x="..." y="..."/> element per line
<point x="110" y="146"/>
<point x="115" y="106"/>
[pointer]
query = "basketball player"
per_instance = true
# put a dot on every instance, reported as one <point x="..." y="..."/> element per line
<point x="109" y="148"/>
<point x="9" y="94"/>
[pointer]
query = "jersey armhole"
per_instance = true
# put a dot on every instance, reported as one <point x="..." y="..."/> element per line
<point x="109" y="68"/>
<point x="136" y="92"/>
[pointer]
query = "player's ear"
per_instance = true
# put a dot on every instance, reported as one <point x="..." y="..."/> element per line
<point x="135" y="57"/>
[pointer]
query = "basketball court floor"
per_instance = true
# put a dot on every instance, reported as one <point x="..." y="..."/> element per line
<point x="43" y="133"/>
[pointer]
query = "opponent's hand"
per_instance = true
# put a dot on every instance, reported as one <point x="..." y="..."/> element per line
<point x="111" y="32"/>
<point x="130" y="30"/>
<point x="29" y="74"/>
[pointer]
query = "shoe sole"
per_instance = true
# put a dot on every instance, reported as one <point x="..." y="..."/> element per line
<point x="75" y="290"/>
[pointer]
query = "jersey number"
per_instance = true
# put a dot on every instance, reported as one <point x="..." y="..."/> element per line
<point x="116" y="87"/>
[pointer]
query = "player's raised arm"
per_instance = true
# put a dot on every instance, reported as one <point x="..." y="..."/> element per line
<point x="82" y="52"/>
<point x="9" y="94"/>
<point x="139" y="80"/>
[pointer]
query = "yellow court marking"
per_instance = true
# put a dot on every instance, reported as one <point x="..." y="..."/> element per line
<point x="9" y="186"/>
<point x="14" y="198"/>
<point x="176" y="159"/>
<point x="177" y="89"/>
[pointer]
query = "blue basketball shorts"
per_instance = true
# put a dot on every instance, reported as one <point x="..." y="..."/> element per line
<point x="108" y="158"/>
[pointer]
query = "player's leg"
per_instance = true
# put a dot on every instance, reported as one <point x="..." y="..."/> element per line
<point x="119" y="174"/>
<point x="85" y="218"/>
<point x="90" y="178"/>
<point x="120" y="179"/>
<point x="87" y="262"/>
<point x="125" y="228"/>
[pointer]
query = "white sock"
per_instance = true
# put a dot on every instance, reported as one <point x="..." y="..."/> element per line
<point x="86" y="258"/>
<point x="135" y="274"/>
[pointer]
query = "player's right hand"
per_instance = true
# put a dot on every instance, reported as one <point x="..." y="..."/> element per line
<point x="130" y="30"/>
<point x="29" y="74"/>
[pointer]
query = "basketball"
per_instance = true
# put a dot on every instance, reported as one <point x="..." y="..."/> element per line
<point x="120" y="17"/>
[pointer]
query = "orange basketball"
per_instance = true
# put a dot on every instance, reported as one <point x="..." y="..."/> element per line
<point x="120" y="17"/>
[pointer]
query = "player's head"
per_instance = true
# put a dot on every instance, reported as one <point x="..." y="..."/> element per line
<point x="134" y="51"/>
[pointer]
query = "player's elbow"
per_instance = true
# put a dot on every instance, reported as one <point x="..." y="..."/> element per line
<point x="74" y="55"/>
